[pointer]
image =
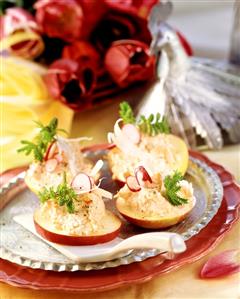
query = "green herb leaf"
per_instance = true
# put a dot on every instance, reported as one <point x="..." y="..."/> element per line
<point x="63" y="195"/>
<point x="152" y="126"/>
<point x="126" y="113"/>
<point x="47" y="134"/>
<point x="171" y="184"/>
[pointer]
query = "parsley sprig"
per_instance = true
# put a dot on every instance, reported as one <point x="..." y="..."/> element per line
<point x="63" y="195"/>
<point x="46" y="135"/>
<point x="152" y="125"/>
<point x="171" y="184"/>
<point x="126" y="113"/>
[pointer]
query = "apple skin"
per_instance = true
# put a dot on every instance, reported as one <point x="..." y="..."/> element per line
<point x="147" y="222"/>
<point x="77" y="240"/>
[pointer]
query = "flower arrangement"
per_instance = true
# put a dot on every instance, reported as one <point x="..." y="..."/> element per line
<point x="92" y="49"/>
<point x="61" y="56"/>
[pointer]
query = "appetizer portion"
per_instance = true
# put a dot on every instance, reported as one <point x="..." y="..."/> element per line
<point x="75" y="214"/>
<point x="153" y="202"/>
<point x="146" y="141"/>
<point x="53" y="155"/>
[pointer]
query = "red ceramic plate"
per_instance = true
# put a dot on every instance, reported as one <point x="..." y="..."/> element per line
<point x="83" y="281"/>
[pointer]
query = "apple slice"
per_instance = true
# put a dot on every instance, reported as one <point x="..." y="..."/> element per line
<point x="133" y="184"/>
<point x="132" y="133"/>
<point x="153" y="222"/>
<point x="51" y="151"/>
<point x="51" y="165"/>
<point x="142" y="176"/>
<point x="110" y="229"/>
<point x="118" y="161"/>
<point x="82" y="182"/>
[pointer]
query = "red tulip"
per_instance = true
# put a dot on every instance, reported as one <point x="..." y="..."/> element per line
<point x="93" y="11"/>
<point x="139" y="7"/>
<point x="60" y="18"/>
<point x="83" y="52"/>
<point x="71" y="82"/>
<point x="225" y="263"/>
<point x="129" y="61"/>
<point x="117" y="25"/>
<point x="19" y="20"/>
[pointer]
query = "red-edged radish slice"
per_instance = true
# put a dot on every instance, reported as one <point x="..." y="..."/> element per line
<point x="142" y="176"/>
<point x="82" y="182"/>
<point x="58" y="157"/>
<point x="133" y="184"/>
<point x="51" y="165"/>
<point x="132" y="133"/>
<point x="50" y="151"/>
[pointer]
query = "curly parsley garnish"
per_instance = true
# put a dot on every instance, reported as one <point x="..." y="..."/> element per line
<point x="152" y="125"/>
<point x="46" y="135"/>
<point x="63" y="195"/>
<point x="171" y="184"/>
<point x="126" y="113"/>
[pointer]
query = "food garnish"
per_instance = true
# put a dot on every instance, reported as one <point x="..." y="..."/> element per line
<point x="44" y="138"/>
<point x="126" y="113"/>
<point x="133" y="184"/>
<point x="142" y="176"/>
<point x="142" y="179"/>
<point x="63" y="195"/>
<point x="152" y="125"/>
<point x="82" y="182"/>
<point x="171" y="184"/>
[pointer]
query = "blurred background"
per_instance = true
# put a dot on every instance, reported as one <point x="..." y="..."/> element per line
<point x="206" y="24"/>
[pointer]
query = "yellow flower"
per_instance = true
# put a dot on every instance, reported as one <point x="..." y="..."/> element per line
<point x="24" y="99"/>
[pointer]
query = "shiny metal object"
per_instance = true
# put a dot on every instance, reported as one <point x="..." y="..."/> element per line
<point x="200" y="99"/>
<point x="235" y="36"/>
<point x="20" y="246"/>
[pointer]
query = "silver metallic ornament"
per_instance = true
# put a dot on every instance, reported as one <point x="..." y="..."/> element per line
<point x="200" y="97"/>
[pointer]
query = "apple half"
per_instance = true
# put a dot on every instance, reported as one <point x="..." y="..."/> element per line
<point x="154" y="222"/>
<point x="109" y="231"/>
<point x="179" y="149"/>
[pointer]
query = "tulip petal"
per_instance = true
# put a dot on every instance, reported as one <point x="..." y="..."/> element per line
<point x="129" y="61"/>
<point x="225" y="263"/>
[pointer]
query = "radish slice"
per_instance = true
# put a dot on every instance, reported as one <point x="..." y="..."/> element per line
<point x="51" y="151"/>
<point x="126" y="146"/>
<point x="96" y="168"/>
<point x="51" y="165"/>
<point x="82" y="182"/>
<point x="132" y="133"/>
<point x="132" y="184"/>
<point x="142" y="176"/>
<point x="58" y="157"/>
